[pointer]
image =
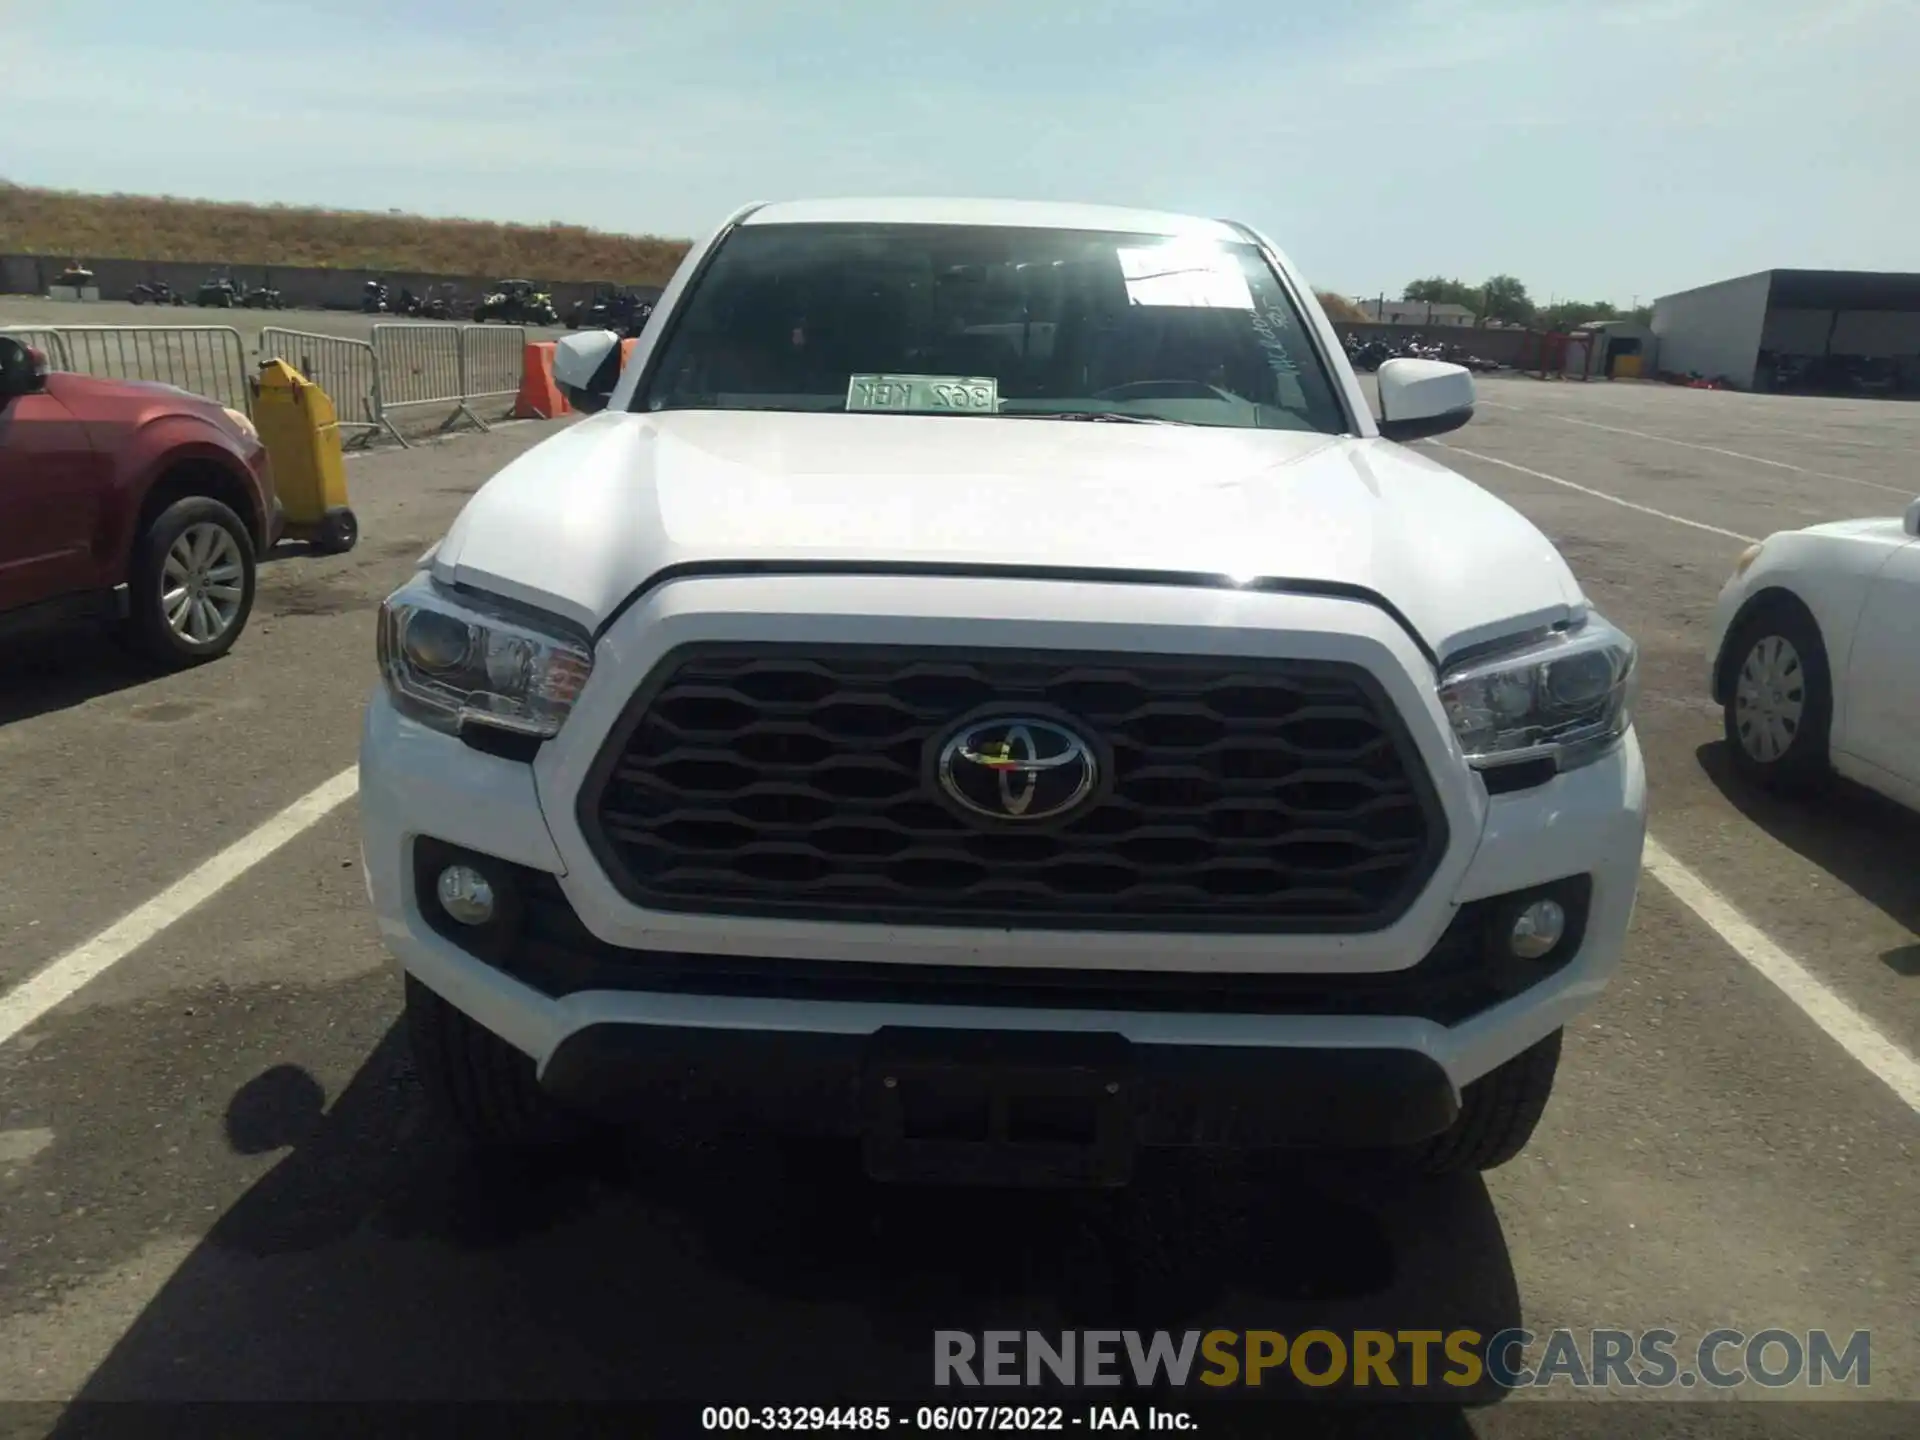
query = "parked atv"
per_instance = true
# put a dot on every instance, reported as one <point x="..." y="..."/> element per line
<point x="611" y="309"/>
<point x="157" y="293"/>
<point x="517" y="302"/>
<point x="216" y="291"/>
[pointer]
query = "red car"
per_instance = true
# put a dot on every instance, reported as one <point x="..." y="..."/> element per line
<point x="129" y="501"/>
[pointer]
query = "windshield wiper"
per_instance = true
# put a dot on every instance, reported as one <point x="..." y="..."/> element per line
<point x="1094" y="416"/>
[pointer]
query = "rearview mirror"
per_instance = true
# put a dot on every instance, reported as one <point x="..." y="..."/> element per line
<point x="586" y="367"/>
<point x="23" y="369"/>
<point x="1419" y="398"/>
<point x="1912" y="518"/>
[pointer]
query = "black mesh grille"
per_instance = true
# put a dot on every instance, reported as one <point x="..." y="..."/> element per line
<point x="1236" y="794"/>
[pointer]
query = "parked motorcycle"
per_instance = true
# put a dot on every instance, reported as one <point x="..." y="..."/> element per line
<point x="1460" y="355"/>
<point x="262" y="297"/>
<point x="1370" y="355"/>
<point x="373" y="298"/>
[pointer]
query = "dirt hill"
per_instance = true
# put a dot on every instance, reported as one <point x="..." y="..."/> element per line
<point x="63" y="224"/>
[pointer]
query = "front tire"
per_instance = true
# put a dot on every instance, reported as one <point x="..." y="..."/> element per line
<point x="1498" y="1113"/>
<point x="1779" y="706"/>
<point x="191" y="582"/>
<point x="483" y="1087"/>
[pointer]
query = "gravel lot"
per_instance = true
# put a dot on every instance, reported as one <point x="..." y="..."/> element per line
<point x="215" y="1182"/>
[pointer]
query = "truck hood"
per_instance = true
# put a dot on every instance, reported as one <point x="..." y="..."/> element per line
<point x="578" y="523"/>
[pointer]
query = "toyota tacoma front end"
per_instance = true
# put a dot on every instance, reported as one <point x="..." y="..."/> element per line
<point x="986" y="684"/>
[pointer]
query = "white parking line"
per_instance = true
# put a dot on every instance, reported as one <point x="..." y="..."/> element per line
<point x="1847" y="1026"/>
<point x="1596" y="494"/>
<point x="1709" y="449"/>
<point x="29" y="1001"/>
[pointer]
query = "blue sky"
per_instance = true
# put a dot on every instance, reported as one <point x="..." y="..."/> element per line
<point x="1594" y="148"/>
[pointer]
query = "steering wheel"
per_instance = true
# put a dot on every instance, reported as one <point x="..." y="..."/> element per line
<point x="1163" y="390"/>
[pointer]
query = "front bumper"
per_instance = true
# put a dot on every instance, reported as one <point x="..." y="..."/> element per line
<point x="604" y="1033"/>
<point x="797" y="1082"/>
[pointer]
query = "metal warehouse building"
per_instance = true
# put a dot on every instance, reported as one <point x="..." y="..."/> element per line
<point x="1811" y="331"/>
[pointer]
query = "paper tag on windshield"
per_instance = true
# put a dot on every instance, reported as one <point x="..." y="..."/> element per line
<point x="924" y="394"/>
<point x="1195" y="276"/>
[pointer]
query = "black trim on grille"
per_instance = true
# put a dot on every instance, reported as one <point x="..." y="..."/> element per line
<point x="1187" y="841"/>
<point x="1466" y="972"/>
<point x="1061" y="574"/>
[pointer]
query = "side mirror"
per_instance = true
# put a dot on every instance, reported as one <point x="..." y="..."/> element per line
<point x="1419" y="398"/>
<point x="586" y="367"/>
<point x="1912" y="518"/>
<point x="23" y="369"/>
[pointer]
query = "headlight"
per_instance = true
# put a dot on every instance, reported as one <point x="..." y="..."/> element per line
<point x="1567" y="698"/>
<point x="241" y="423"/>
<point x="452" y="659"/>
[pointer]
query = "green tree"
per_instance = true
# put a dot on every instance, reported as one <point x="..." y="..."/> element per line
<point x="1438" y="290"/>
<point x="1503" y="297"/>
<point x="1569" y="314"/>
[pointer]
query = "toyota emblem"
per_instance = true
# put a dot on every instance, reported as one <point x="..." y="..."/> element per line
<point x="1017" y="768"/>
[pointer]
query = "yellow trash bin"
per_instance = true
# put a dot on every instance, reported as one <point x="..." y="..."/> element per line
<point x="302" y="435"/>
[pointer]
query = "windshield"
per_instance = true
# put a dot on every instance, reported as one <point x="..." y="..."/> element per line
<point x="993" y="320"/>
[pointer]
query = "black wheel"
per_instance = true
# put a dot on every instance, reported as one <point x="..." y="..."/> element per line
<point x="479" y="1083"/>
<point x="1779" y="699"/>
<point x="338" y="533"/>
<point x="1497" y="1114"/>
<point x="191" y="583"/>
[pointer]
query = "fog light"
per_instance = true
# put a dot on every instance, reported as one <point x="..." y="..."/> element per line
<point x="1537" y="929"/>
<point x="465" y="894"/>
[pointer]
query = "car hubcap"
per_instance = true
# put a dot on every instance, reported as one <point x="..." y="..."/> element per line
<point x="1769" y="699"/>
<point x="202" y="583"/>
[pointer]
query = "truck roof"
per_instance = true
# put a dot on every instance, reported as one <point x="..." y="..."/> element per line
<point x="1034" y="214"/>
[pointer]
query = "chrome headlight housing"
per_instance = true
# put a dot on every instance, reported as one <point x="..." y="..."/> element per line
<point x="1567" y="697"/>
<point x="452" y="658"/>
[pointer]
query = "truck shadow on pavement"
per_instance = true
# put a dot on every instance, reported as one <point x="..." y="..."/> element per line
<point x="1863" y="840"/>
<point x="379" y="1261"/>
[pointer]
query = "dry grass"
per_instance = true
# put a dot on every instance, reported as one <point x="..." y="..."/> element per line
<point x="66" y="225"/>
<point x="63" y="224"/>
<point x="1339" y="309"/>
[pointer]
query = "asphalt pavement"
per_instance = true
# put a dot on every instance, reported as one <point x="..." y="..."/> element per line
<point x="217" y="1180"/>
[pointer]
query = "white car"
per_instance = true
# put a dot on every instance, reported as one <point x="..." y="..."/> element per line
<point x="1816" y="646"/>
<point x="985" y="683"/>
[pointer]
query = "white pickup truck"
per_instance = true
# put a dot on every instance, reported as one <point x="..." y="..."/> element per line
<point x="984" y="682"/>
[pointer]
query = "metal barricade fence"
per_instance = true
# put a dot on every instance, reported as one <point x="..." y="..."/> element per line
<point x="347" y="370"/>
<point x="209" y="360"/>
<point x="404" y="365"/>
<point x="46" y="340"/>
<point x="491" y="358"/>
<point x="421" y="364"/>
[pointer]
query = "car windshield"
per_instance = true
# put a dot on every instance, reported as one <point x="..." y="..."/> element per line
<point x="993" y="320"/>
